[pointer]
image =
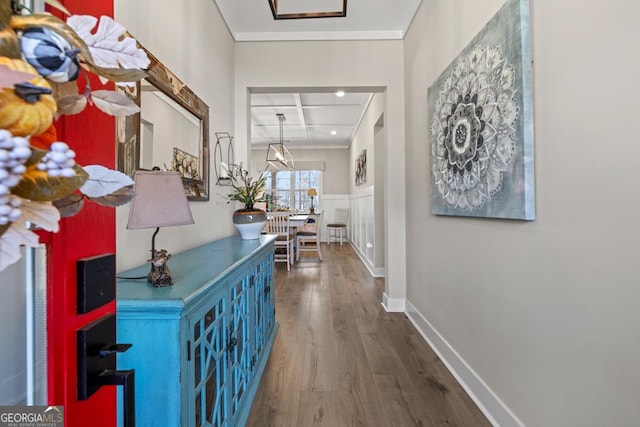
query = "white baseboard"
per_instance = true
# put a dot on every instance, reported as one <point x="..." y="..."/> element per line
<point x="491" y="406"/>
<point x="393" y="305"/>
<point x="378" y="272"/>
<point x="375" y="272"/>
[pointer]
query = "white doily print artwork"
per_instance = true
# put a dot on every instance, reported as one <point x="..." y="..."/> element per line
<point x="481" y="127"/>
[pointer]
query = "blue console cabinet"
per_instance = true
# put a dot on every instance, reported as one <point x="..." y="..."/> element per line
<point x="201" y="345"/>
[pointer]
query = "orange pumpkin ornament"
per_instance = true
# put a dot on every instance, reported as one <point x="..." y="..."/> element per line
<point x="24" y="117"/>
<point x="45" y="139"/>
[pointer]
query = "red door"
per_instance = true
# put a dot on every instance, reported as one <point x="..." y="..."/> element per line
<point x="92" y="232"/>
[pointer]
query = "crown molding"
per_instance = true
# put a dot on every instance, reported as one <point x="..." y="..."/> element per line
<point x="317" y="35"/>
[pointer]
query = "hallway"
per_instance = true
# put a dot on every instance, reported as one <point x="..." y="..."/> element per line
<point x="340" y="360"/>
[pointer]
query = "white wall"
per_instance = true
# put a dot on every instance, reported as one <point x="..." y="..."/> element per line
<point x="191" y="39"/>
<point x="544" y="312"/>
<point x="323" y="64"/>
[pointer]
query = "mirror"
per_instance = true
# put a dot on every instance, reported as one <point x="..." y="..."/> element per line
<point x="171" y="131"/>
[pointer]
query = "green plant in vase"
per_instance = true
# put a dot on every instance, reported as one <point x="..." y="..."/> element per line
<point x="248" y="190"/>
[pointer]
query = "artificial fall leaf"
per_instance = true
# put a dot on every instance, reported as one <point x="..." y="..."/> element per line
<point x="72" y="104"/>
<point x="117" y="198"/>
<point x="108" y="47"/>
<point x="9" y="77"/>
<point x="69" y="205"/>
<point x="5" y="13"/>
<point x="103" y="181"/>
<point x="44" y="215"/>
<point x="38" y="186"/>
<point x="114" y="103"/>
<point x="68" y="98"/>
<point x="118" y="75"/>
<point x="57" y="5"/>
<point x="12" y="239"/>
<point x="60" y="90"/>
<point x="9" y="249"/>
<point x="9" y="43"/>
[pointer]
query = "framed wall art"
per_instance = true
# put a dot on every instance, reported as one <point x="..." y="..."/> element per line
<point x="481" y="123"/>
<point x="185" y="164"/>
<point x="361" y="168"/>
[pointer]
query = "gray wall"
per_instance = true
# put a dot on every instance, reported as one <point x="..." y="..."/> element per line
<point x="544" y="312"/>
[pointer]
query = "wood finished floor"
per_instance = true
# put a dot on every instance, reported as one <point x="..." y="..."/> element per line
<point x="340" y="360"/>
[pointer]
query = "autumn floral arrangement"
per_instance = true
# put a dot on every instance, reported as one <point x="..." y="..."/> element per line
<point x="41" y="57"/>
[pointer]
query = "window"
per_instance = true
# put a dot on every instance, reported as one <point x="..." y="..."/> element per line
<point x="288" y="189"/>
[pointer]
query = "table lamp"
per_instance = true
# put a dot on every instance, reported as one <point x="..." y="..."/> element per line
<point x="312" y="193"/>
<point x="160" y="201"/>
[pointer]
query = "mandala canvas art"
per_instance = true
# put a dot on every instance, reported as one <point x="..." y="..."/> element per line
<point x="481" y="123"/>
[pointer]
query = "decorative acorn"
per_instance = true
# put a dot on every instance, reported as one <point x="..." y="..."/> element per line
<point x="51" y="55"/>
<point x="29" y="108"/>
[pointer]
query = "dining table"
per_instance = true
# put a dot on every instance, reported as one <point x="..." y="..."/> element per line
<point x="296" y="221"/>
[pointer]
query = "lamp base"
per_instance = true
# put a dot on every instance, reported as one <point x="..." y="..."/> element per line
<point x="312" y="210"/>
<point x="160" y="275"/>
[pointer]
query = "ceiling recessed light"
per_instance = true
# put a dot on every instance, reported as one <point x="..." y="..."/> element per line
<point x="340" y="93"/>
<point x="333" y="132"/>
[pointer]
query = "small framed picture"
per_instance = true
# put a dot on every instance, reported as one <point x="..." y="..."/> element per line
<point x="361" y="168"/>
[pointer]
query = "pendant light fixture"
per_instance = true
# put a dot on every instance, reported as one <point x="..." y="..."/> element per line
<point x="330" y="11"/>
<point x="278" y="155"/>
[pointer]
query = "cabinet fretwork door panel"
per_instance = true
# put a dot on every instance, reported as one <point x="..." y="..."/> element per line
<point x="209" y="358"/>
<point x="239" y="341"/>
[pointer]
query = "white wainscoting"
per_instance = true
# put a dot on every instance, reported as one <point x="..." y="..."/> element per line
<point x="362" y="225"/>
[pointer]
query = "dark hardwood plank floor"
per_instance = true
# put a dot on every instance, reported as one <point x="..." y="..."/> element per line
<point x="340" y="360"/>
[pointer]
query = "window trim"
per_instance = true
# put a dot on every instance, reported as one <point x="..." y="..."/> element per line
<point x="292" y="190"/>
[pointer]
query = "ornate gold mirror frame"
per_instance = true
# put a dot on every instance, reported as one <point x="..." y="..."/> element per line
<point x="128" y="132"/>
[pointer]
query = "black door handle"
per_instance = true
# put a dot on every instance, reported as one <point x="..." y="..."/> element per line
<point x="128" y="382"/>
<point x="97" y="364"/>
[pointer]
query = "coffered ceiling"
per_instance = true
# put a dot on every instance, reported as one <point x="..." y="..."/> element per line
<point x="313" y="119"/>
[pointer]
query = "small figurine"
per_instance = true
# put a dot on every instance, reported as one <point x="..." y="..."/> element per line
<point x="160" y="275"/>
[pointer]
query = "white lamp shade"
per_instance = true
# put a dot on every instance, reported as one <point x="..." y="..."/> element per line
<point x="160" y="201"/>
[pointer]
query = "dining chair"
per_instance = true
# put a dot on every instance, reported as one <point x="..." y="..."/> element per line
<point x="278" y="223"/>
<point x="337" y="230"/>
<point x="308" y="237"/>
